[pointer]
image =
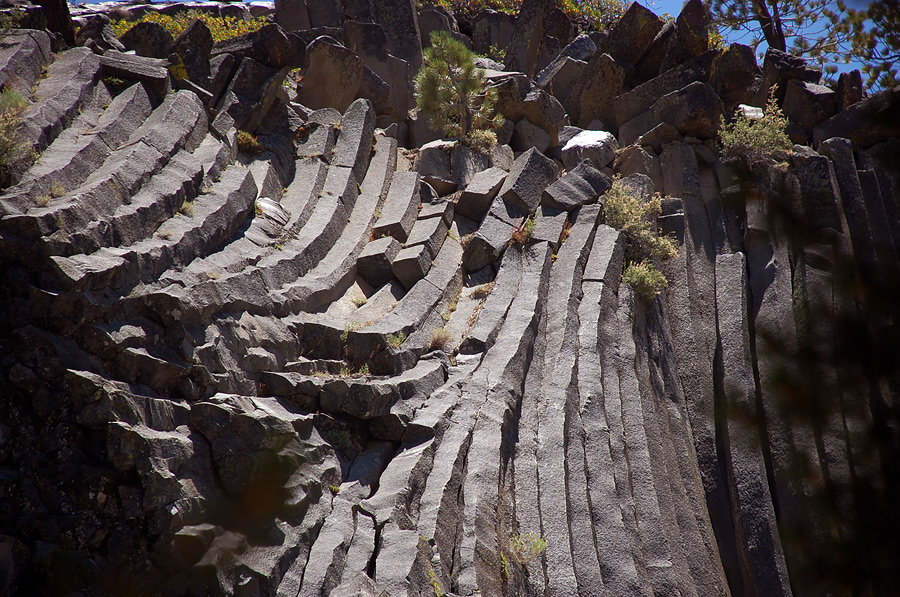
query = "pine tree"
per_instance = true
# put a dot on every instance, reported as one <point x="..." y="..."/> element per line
<point x="450" y="89"/>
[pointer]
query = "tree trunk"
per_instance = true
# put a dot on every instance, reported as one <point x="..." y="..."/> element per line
<point x="771" y="27"/>
<point x="58" y="19"/>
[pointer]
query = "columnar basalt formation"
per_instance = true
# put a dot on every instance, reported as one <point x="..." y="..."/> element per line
<point x="258" y="338"/>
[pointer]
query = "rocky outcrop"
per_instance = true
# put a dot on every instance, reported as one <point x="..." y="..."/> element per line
<point x="252" y="345"/>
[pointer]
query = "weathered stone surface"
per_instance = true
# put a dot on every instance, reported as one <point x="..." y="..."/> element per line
<point x="865" y="123"/>
<point x="632" y="103"/>
<point x="434" y="165"/>
<point x="660" y="135"/>
<point x="398" y="18"/>
<point x="694" y="110"/>
<point x="375" y="261"/>
<point x="599" y="147"/>
<point x="630" y="37"/>
<point x="475" y="200"/>
<point x="332" y="75"/>
<point x="733" y="73"/>
<point x="429" y="232"/>
<point x="97" y="32"/>
<point x="194" y="46"/>
<point x="516" y="101"/>
<point x="526" y="135"/>
<point x="779" y="68"/>
<point x="563" y="79"/>
<point x="492" y="28"/>
<point x="602" y="80"/>
<point x="370" y="44"/>
<point x="251" y="93"/>
<point x="354" y="143"/>
<point x="292" y="15"/>
<point x="151" y="72"/>
<point x="525" y="44"/>
<point x="634" y="160"/>
<point x="531" y="173"/>
<point x="268" y="46"/>
<point x="149" y="39"/>
<point x="438" y="208"/>
<point x="849" y="90"/>
<point x="807" y="104"/>
<point x="432" y="19"/>
<point x="651" y="62"/>
<point x="753" y="502"/>
<point x="579" y="186"/>
<point x="22" y="57"/>
<point x="398" y="215"/>
<point x="488" y="243"/>
<point x="691" y="36"/>
<point x="217" y="401"/>
<point x="411" y="264"/>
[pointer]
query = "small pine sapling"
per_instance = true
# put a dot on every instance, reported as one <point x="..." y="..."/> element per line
<point x="451" y="94"/>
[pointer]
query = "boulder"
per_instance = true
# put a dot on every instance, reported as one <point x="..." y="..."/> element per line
<point x="660" y="135"/>
<point x="251" y="93"/>
<point x="434" y="164"/>
<point x="148" y="39"/>
<point x="650" y="63"/>
<point x="398" y="18"/>
<point x="466" y="162"/>
<point x="525" y="45"/>
<point x="733" y="71"/>
<point x="530" y="174"/>
<point x="487" y="245"/>
<point x="630" y="37"/>
<point x="602" y="81"/>
<point x="411" y="264"/>
<point x="635" y="160"/>
<point x="194" y="46"/>
<point x="292" y="15"/>
<point x="152" y="72"/>
<point x="865" y="123"/>
<point x="492" y="28"/>
<point x="808" y="104"/>
<point x="695" y="111"/>
<point x="598" y="147"/>
<point x="268" y="45"/>
<point x="374" y="263"/>
<point x="538" y="106"/>
<point x="435" y="18"/>
<point x="325" y="13"/>
<point x="779" y="68"/>
<point x="579" y="186"/>
<point x="849" y="89"/>
<point x="332" y="75"/>
<point x="526" y="135"/>
<point x="370" y="44"/>
<point x="100" y="33"/>
<point x="474" y="202"/>
<point x="638" y="100"/>
<point x="691" y="36"/>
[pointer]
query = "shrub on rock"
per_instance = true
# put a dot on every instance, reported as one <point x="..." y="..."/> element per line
<point x="752" y="139"/>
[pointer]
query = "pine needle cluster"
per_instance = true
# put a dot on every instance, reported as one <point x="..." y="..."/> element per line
<point x="450" y="89"/>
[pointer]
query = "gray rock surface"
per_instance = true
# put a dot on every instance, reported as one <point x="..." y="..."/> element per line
<point x="224" y="375"/>
<point x="531" y="172"/>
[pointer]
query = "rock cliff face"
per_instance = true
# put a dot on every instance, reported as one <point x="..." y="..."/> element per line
<point x="320" y="366"/>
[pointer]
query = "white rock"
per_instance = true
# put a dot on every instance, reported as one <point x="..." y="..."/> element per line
<point x="750" y="112"/>
<point x="597" y="146"/>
